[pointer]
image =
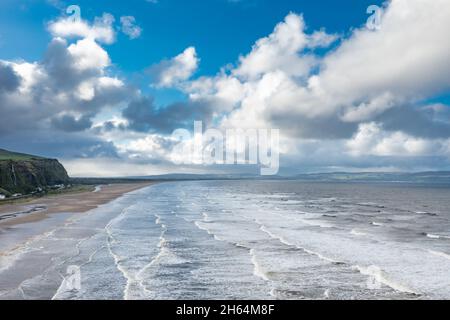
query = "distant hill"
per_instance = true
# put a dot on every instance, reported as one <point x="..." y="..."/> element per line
<point x="163" y="177"/>
<point x="24" y="174"/>
<point x="433" y="177"/>
<point x="188" y="176"/>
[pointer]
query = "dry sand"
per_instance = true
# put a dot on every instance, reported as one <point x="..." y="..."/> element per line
<point x="65" y="203"/>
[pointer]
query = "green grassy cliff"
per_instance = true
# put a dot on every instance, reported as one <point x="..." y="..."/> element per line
<point x="22" y="173"/>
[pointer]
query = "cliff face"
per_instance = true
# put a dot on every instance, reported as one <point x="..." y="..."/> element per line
<point x="26" y="174"/>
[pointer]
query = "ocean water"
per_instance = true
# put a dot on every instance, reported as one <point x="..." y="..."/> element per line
<point x="240" y="240"/>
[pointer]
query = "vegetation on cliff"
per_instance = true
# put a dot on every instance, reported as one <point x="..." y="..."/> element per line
<point x="25" y="174"/>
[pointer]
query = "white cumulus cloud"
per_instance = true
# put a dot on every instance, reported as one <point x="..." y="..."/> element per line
<point x="171" y="72"/>
<point x="130" y="28"/>
<point x="101" y="30"/>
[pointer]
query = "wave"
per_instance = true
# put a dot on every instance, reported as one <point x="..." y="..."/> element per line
<point x="7" y="260"/>
<point x="440" y="254"/>
<point x="258" y="269"/>
<point x="273" y="293"/>
<point x="380" y="276"/>
<point x="118" y="259"/>
<point x="275" y="196"/>
<point x="200" y="225"/>
<point x="357" y="233"/>
<point x="273" y="236"/>
<point x="320" y="256"/>
<point x="426" y="213"/>
<point x="316" y="223"/>
<point x="281" y="194"/>
<point x="133" y="278"/>
<point x="313" y="221"/>
<point x="291" y="202"/>
<point x="285" y="242"/>
<point x="371" y="205"/>
<point x="206" y="217"/>
<point x="324" y="200"/>
<point x="435" y="236"/>
<point x="65" y="287"/>
<point x="11" y="256"/>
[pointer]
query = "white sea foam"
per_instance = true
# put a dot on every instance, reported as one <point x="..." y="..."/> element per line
<point x="273" y="236"/>
<point x="435" y="236"/>
<point x="117" y="258"/>
<point x="258" y="269"/>
<point x="286" y="242"/>
<point x="7" y="260"/>
<point x="371" y="204"/>
<point x="427" y="213"/>
<point x="440" y="254"/>
<point x="203" y="227"/>
<point x="316" y="223"/>
<point x="382" y="277"/>
<point x="357" y="233"/>
<point x="10" y="257"/>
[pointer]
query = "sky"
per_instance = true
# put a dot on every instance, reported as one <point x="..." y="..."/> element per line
<point x="103" y="93"/>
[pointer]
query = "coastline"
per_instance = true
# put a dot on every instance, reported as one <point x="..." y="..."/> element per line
<point x="28" y="243"/>
<point x="39" y="209"/>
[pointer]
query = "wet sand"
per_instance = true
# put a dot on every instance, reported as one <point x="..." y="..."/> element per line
<point x="79" y="202"/>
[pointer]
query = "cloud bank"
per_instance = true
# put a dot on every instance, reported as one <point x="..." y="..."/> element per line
<point x="363" y="102"/>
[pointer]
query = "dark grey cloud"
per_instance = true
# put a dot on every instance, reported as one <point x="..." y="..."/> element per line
<point x="324" y="127"/>
<point x="337" y="162"/>
<point x="59" y="145"/>
<point x="60" y="67"/>
<point x="418" y="122"/>
<point x="9" y="79"/>
<point x="108" y="126"/>
<point x="70" y="124"/>
<point x="144" y="116"/>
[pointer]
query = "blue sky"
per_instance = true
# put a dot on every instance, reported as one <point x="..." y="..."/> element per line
<point x="220" y="30"/>
<point x="104" y="93"/>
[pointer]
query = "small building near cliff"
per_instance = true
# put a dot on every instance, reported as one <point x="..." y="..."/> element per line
<point x="2" y="197"/>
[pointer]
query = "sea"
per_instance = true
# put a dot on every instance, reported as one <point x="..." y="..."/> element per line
<point x="287" y="240"/>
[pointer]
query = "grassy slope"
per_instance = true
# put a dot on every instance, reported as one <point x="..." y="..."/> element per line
<point x="8" y="155"/>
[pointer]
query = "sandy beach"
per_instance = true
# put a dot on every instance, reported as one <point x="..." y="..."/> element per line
<point x="79" y="202"/>
<point x="30" y="231"/>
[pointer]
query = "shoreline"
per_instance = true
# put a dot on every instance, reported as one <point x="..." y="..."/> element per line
<point x="26" y="240"/>
<point x="39" y="209"/>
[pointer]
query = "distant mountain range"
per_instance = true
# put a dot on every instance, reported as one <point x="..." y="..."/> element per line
<point x="418" y="177"/>
<point x="442" y="177"/>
